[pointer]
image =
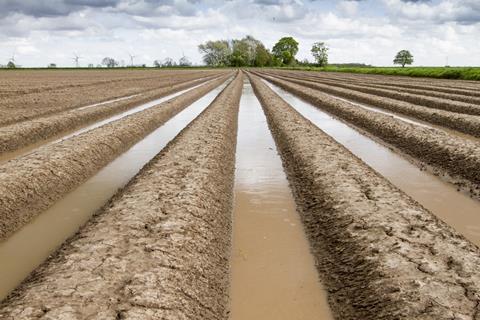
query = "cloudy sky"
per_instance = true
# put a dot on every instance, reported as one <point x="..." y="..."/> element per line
<point x="369" y="31"/>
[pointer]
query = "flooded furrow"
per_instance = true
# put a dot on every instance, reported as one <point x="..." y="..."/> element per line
<point x="408" y="119"/>
<point x="6" y="156"/>
<point x="273" y="274"/>
<point x="109" y="101"/>
<point x="28" y="247"/>
<point x="442" y="198"/>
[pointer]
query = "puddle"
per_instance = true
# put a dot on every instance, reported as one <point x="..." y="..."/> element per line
<point x="455" y="208"/>
<point x="409" y="119"/>
<point x="4" y="157"/>
<point x="27" y="248"/>
<point x="272" y="273"/>
<point x="406" y="118"/>
<point x="108" y="101"/>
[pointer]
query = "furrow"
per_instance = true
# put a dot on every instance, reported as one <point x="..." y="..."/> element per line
<point x="455" y="158"/>
<point x="174" y="217"/>
<point x="382" y="256"/>
<point x="430" y="102"/>
<point x="399" y="92"/>
<point x="30" y="184"/>
<point x="20" y="108"/>
<point x="31" y="132"/>
<point x="467" y="124"/>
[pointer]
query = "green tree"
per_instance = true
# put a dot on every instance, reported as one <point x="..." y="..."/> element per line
<point x="320" y="53"/>
<point x="11" y="65"/>
<point x="285" y="50"/>
<point x="240" y="53"/>
<point x="262" y="57"/>
<point x="403" y="57"/>
<point x="216" y="53"/>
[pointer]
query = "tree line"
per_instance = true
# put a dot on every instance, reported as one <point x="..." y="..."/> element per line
<point x="250" y="52"/>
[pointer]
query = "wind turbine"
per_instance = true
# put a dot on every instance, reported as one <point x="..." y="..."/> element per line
<point x="131" y="59"/>
<point x="76" y="58"/>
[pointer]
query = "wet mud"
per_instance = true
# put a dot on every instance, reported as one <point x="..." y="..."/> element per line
<point x="454" y="158"/>
<point x="26" y="133"/>
<point x="31" y="245"/>
<point x="381" y="255"/>
<point x="174" y="217"/>
<point x="30" y="184"/>
<point x="273" y="275"/>
<point x="38" y="94"/>
<point x="466" y="123"/>
<point x="443" y="199"/>
<point x="449" y="102"/>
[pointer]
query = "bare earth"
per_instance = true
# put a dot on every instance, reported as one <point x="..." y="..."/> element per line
<point x="160" y="248"/>
<point x="382" y="255"/>
<point x="32" y="183"/>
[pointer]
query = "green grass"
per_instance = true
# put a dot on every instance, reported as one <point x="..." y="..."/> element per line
<point x="463" y="73"/>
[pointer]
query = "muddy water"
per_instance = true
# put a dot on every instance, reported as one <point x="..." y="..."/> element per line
<point x="441" y="198"/>
<point x="23" y="151"/>
<point x="408" y="119"/>
<point x="30" y="246"/>
<point x="108" y="101"/>
<point x="272" y="273"/>
<point x="411" y="120"/>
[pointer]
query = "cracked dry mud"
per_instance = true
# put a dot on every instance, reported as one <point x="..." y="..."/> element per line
<point x="30" y="184"/>
<point x="455" y="157"/>
<point x="382" y="255"/>
<point x="160" y="248"/>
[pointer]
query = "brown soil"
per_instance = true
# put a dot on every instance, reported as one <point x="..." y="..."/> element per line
<point x="22" y="134"/>
<point x="160" y="248"/>
<point x="469" y="124"/>
<point x="381" y="254"/>
<point x="30" y="184"/>
<point x="458" y="158"/>
<point x="463" y="87"/>
<point x="449" y="102"/>
<point x="63" y="92"/>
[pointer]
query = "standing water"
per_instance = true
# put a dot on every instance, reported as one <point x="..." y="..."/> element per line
<point x="28" y="247"/>
<point x="273" y="274"/>
<point x="440" y="197"/>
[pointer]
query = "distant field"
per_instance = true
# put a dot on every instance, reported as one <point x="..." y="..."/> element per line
<point x="463" y="73"/>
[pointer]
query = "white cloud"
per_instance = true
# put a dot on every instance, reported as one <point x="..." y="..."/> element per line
<point x="370" y="31"/>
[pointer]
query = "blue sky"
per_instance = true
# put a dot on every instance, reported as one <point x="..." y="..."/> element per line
<point x="369" y="31"/>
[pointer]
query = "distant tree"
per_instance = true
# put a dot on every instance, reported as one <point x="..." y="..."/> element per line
<point x="239" y="56"/>
<point x="244" y="51"/>
<point x="168" y="62"/>
<point x="263" y="57"/>
<point x="215" y="53"/>
<point x="109" y="62"/>
<point x="320" y="53"/>
<point x="403" y="57"/>
<point x="11" y="65"/>
<point x="51" y="65"/>
<point x="285" y="50"/>
<point x="184" y="62"/>
<point x="90" y="65"/>
<point x="157" y="64"/>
